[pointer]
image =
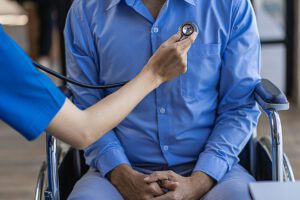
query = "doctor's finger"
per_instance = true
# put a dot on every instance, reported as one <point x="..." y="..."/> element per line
<point x="187" y="42"/>
<point x="173" y="39"/>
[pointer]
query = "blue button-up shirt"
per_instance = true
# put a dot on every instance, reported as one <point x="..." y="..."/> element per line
<point x="205" y="116"/>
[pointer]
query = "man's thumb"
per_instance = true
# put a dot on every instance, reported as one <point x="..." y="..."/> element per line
<point x="170" y="185"/>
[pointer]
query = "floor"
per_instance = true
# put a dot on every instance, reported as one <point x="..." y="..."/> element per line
<point x="19" y="164"/>
<point x="20" y="160"/>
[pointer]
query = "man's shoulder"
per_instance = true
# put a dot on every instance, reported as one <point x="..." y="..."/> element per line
<point x="234" y="4"/>
<point x="87" y="7"/>
<point x="224" y="7"/>
<point x="223" y="4"/>
<point x="228" y="2"/>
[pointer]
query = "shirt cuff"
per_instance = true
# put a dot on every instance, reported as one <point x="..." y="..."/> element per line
<point x="110" y="160"/>
<point x="211" y="165"/>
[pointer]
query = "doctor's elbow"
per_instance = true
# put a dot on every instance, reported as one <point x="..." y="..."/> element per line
<point x="87" y="137"/>
<point x="84" y="141"/>
<point x="88" y="132"/>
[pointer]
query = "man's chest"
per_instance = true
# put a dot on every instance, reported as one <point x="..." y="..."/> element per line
<point x="126" y="39"/>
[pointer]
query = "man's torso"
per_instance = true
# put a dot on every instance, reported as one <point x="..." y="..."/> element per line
<point x="173" y="122"/>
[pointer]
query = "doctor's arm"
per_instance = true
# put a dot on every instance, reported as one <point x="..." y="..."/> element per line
<point x="80" y="128"/>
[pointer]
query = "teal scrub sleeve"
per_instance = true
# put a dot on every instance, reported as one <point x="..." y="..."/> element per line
<point x="29" y="100"/>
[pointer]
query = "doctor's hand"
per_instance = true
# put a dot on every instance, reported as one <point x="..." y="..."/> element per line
<point x="130" y="183"/>
<point x="170" y="60"/>
<point x="179" y="187"/>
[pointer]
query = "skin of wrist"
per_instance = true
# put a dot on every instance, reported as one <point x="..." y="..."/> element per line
<point x="120" y="171"/>
<point x="202" y="182"/>
<point x="153" y="78"/>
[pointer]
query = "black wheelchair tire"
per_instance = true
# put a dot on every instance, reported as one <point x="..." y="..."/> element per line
<point x="266" y="143"/>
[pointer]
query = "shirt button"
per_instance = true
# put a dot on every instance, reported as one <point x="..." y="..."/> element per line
<point x="155" y="29"/>
<point x="166" y="148"/>
<point x="162" y="110"/>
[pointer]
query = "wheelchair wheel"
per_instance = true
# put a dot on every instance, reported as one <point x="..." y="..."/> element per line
<point x="41" y="182"/>
<point x="266" y="144"/>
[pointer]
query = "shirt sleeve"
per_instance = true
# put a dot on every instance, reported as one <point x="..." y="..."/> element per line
<point x="237" y="113"/>
<point x="28" y="98"/>
<point x="82" y="62"/>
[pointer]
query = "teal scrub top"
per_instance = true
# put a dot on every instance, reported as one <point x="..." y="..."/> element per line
<point x="29" y="100"/>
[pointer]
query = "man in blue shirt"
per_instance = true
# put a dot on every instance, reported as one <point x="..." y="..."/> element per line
<point x="195" y="125"/>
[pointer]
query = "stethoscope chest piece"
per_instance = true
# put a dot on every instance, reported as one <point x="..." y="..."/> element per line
<point x="187" y="29"/>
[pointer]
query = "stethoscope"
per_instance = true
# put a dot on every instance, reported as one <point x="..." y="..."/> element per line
<point x="187" y="29"/>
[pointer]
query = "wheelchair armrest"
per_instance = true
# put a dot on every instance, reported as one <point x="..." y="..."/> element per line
<point x="67" y="92"/>
<point x="270" y="97"/>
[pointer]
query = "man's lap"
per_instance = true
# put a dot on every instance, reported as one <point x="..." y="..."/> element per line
<point x="233" y="186"/>
<point x="94" y="187"/>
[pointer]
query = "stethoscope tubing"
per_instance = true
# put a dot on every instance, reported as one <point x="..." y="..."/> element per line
<point x="74" y="82"/>
<point x="188" y="25"/>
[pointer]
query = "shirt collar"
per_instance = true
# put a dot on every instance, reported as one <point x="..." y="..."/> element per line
<point x="193" y="2"/>
<point x="112" y="3"/>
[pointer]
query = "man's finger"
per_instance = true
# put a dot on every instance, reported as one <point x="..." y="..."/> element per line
<point x="167" y="196"/>
<point x="169" y="185"/>
<point x="156" y="176"/>
<point x="155" y="189"/>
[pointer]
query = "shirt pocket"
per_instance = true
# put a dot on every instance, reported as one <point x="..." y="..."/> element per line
<point x="203" y="71"/>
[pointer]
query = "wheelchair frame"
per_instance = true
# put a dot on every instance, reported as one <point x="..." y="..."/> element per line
<point x="270" y="99"/>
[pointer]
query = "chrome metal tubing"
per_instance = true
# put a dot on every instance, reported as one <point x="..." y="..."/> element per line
<point x="52" y="162"/>
<point x="40" y="183"/>
<point x="288" y="169"/>
<point x="277" y="146"/>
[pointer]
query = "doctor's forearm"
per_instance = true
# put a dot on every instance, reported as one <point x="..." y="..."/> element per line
<point x="82" y="128"/>
<point x="110" y="111"/>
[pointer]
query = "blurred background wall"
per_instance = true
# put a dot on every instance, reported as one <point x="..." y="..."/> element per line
<point x="37" y="26"/>
<point x="297" y="52"/>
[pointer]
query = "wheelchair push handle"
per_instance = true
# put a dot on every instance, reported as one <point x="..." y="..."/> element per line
<point x="270" y="97"/>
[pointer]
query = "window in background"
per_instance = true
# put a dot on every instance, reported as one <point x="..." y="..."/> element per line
<point x="271" y="19"/>
<point x="274" y="28"/>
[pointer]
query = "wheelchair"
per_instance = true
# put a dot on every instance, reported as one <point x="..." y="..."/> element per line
<point x="263" y="158"/>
